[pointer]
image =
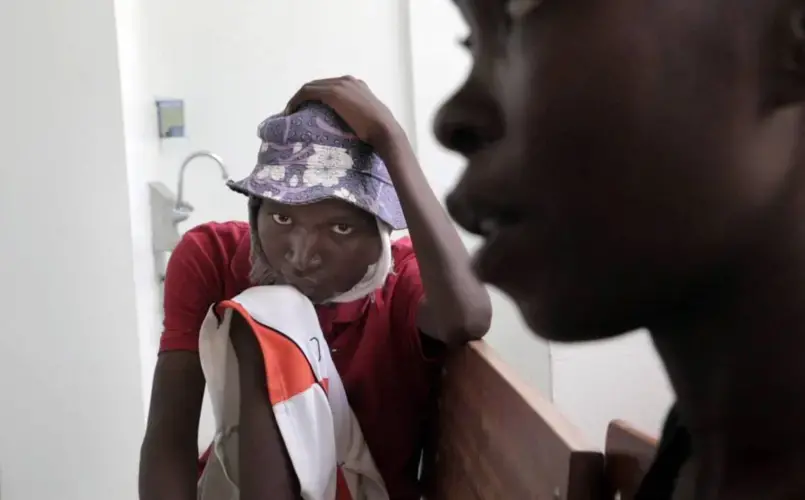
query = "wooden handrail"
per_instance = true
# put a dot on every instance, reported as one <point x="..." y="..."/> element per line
<point x="629" y="453"/>
<point x="495" y="437"/>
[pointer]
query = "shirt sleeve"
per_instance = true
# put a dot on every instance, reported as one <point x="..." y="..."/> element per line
<point x="409" y="295"/>
<point x="192" y="285"/>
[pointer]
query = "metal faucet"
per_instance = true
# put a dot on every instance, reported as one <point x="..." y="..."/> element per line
<point x="198" y="154"/>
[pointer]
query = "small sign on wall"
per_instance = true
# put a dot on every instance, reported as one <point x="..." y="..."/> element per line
<point x="170" y="114"/>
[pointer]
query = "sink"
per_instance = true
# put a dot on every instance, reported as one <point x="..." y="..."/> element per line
<point x="168" y="210"/>
<point x="166" y="215"/>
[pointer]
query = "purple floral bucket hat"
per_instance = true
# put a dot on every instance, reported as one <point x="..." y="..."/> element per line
<point x="312" y="155"/>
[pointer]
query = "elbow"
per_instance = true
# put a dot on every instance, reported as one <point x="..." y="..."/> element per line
<point x="479" y="323"/>
<point x="474" y="323"/>
<point x="479" y="317"/>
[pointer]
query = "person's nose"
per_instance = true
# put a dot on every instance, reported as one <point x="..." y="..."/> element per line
<point x="470" y="120"/>
<point x="303" y="252"/>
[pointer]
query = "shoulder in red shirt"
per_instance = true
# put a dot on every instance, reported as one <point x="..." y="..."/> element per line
<point x="375" y="344"/>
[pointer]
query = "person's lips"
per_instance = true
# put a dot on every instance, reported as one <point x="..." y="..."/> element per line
<point x="500" y="223"/>
<point x="493" y="259"/>
<point x="496" y="260"/>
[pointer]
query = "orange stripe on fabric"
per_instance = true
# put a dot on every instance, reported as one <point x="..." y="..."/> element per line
<point x="287" y="369"/>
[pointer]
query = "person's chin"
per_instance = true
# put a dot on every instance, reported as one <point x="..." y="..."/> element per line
<point x="567" y="321"/>
<point x="318" y="300"/>
<point x="552" y="296"/>
<point x="307" y="288"/>
<point x="316" y="296"/>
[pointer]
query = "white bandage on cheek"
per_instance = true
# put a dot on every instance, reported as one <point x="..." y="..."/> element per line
<point x="376" y="274"/>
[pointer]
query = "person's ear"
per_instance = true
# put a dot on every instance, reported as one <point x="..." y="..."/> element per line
<point x="789" y="58"/>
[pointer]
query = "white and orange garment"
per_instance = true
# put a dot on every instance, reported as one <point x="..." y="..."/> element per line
<point x="322" y="435"/>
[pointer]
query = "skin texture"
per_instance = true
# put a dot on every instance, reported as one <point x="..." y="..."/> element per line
<point x="643" y="162"/>
<point x="266" y="470"/>
<point x="169" y="455"/>
<point x="322" y="249"/>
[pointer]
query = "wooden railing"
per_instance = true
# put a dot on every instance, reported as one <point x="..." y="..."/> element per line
<point x="494" y="437"/>
<point x="629" y="453"/>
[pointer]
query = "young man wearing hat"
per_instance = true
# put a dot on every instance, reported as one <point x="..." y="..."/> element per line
<point x="327" y="191"/>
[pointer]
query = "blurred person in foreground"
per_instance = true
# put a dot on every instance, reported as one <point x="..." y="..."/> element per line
<point x="644" y="164"/>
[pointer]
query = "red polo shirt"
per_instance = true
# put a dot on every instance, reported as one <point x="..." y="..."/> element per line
<point x="376" y="345"/>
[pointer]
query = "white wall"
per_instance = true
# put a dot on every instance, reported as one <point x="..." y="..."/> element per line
<point x="621" y="378"/>
<point x="235" y="63"/>
<point x="71" y="416"/>
<point x="592" y="383"/>
<point x="142" y="157"/>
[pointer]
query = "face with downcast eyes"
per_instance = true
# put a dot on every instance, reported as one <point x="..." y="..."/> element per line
<point x="322" y="249"/>
<point x="618" y="151"/>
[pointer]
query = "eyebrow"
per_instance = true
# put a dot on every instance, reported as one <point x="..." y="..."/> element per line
<point x="347" y="218"/>
<point x="271" y="205"/>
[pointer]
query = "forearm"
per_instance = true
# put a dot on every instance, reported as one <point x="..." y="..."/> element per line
<point x="266" y="471"/>
<point x="462" y="301"/>
<point x="168" y="469"/>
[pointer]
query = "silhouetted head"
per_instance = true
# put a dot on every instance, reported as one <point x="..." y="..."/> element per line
<point x="623" y="153"/>
<point x="321" y="207"/>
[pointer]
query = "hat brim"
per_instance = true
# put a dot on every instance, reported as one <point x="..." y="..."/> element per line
<point x="377" y="198"/>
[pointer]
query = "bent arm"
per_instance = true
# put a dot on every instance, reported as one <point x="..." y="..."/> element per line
<point x="457" y="307"/>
